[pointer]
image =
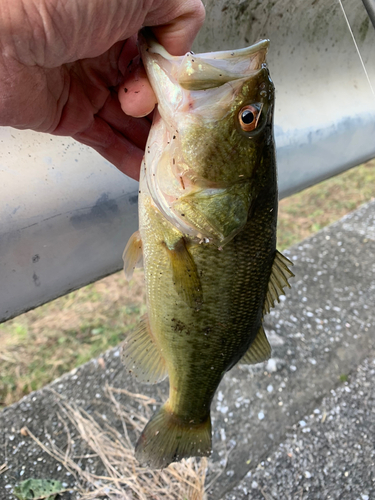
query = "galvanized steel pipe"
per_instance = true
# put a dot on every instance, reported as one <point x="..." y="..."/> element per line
<point x="370" y="7"/>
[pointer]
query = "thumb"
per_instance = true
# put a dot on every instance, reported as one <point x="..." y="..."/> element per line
<point x="176" y="24"/>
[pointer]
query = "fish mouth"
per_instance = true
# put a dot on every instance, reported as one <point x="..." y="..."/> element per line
<point x="207" y="70"/>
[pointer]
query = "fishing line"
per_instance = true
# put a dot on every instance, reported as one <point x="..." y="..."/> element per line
<point x="356" y="46"/>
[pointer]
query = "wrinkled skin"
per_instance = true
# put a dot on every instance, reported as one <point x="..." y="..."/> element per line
<point x="64" y="67"/>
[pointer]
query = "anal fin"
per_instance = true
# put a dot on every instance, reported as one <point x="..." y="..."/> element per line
<point x="185" y="274"/>
<point x="132" y="255"/>
<point x="141" y="356"/>
<point x="280" y="274"/>
<point x="259" y="350"/>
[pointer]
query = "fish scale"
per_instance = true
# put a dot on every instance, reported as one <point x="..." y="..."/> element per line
<point x="209" y="244"/>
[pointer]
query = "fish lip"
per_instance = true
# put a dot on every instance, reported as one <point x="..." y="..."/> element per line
<point x="148" y="43"/>
<point x="226" y="65"/>
<point x="243" y="52"/>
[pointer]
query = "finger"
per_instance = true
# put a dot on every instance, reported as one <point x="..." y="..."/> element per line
<point x="134" y="129"/>
<point x="113" y="146"/>
<point x="180" y="22"/>
<point x="176" y="24"/>
<point x="135" y="94"/>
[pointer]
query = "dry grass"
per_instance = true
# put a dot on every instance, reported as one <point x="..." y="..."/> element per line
<point x="3" y="468"/>
<point x="123" y="479"/>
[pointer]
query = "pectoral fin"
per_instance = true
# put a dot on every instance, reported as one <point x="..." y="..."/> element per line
<point x="280" y="274"/>
<point x="141" y="356"/>
<point x="260" y="349"/>
<point x="132" y="255"/>
<point x="185" y="274"/>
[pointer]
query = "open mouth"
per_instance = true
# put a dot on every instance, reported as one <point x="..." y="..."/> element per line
<point x="207" y="70"/>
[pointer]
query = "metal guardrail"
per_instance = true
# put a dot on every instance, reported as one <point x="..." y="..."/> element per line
<point x="370" y="7"/>
<point x="66" y="213"/>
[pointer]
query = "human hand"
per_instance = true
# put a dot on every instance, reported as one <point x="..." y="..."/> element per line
<point x="63" y="64"/>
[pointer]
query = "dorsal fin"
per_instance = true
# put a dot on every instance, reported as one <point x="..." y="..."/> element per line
<point x="280" y="274"/>
<point x="141" y="356"/>
<point x="260" y="349"/>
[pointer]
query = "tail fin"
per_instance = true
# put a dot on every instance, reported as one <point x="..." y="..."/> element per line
<point x="167" y="439"/>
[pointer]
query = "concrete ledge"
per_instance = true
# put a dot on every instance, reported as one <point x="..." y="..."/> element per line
<point x="321" y="334"/>
<point x="328" y="454"/>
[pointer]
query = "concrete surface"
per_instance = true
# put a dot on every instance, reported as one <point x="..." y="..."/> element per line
<point x="300" y="426"/>
<point x="328" y="454"/>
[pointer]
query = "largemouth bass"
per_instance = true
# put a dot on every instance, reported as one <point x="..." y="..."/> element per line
<point x="207" y="234"/>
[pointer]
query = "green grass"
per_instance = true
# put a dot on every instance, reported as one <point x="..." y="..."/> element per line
<point x="42" y="344"/>
<point x="307" y="212"/>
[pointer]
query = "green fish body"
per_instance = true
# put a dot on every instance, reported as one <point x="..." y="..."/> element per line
<point x="207" y="235"/>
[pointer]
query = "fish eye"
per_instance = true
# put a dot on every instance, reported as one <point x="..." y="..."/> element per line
<point x="249" y="117"/>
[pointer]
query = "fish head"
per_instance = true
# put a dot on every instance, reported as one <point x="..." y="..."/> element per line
<point x="212" y="125"/>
